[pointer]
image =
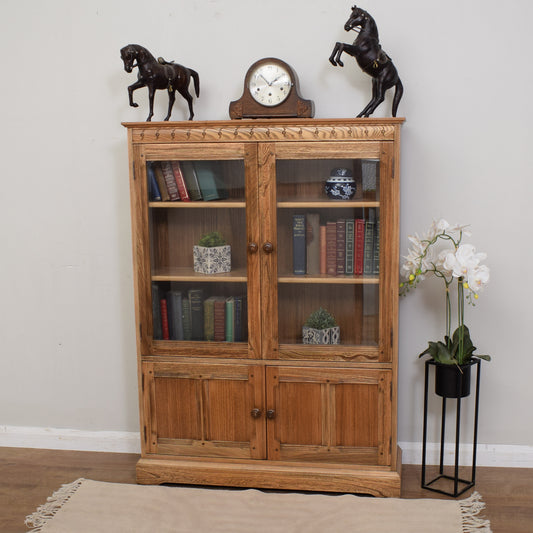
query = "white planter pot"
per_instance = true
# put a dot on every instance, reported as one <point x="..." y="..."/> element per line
<point x="321" y="336"/>
<point x="214" y="260"/>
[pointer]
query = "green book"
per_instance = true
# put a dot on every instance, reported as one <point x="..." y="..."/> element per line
<point x="209" y="319"/>
<point x="210" y="183"/>
<point x="349" y="259"/>
<point x="230" y="319"/>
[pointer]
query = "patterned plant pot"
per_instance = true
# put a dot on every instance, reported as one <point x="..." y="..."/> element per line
<point x="321" y="336"/>
<point x="214" y="260"/>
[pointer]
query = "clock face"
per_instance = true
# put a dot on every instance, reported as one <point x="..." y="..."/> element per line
<point x="270" y="84"/>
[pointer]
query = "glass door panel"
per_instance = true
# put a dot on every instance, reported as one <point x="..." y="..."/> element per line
<point x="197" y="233"/>
<point x="328" y="250"/>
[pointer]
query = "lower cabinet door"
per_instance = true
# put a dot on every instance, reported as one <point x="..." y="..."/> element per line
<point x="202" y="410"/>
<point x="329" y="415"/>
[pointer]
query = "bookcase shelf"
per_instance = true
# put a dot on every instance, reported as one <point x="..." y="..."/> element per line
<point x="230" y="391"/>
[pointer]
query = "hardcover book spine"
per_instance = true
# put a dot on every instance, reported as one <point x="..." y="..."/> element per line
<point x="165" y="197"/>
<point x="299" y="266"/>
<point x="154" y="194"/>
<point x="230" y="319"/>
<point x="186" y="316"/>
<point x="220" y="319"/>
<point x="209" y="319"/>
<point x="313" y="243"/>
<point x="191" y="180"/>
<point x="323" y="246"/>
<point x="238" y="320"/>
<point x="369" y="248"/>
<point x="207" y="181"/>
<point x="375" y="262"/>
<point x="170" y="181"/>
<point x="180" y="181"/>
<point x="164" y="319"/>
<point x="350" y="229"/>
<point x="196" y="301"/>
<point x="331" y="248"/>
<point x="359" y="246"/>
<point x="156" y="313"/>
<point x="341" y="246"/>
<point x="175" y="315"/>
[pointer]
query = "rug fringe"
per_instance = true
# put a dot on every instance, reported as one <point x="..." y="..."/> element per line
<point x="47" y="511"/>
<point x="470" y="509"/>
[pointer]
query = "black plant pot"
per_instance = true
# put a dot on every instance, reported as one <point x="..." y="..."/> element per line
<point x="452" y="381"/>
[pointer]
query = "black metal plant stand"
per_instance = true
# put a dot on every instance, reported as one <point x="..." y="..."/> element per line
<point x="455" y="478"/>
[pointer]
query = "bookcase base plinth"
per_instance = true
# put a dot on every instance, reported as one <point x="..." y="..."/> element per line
<point x="377" y="481"/>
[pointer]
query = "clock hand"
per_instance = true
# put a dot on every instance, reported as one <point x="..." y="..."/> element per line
<point x="269" y="84"/>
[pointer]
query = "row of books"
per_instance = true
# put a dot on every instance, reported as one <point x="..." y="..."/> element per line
<point x="180" y="315"/>
<point x="346" y="246"/>
<point x="171" y="181"/>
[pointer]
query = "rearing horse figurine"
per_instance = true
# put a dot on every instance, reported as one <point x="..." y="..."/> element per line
<point x="372" y="60"/>
<point x="158" y="74"/>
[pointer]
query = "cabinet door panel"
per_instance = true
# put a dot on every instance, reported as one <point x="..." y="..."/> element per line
<point x="204" y="410"/>
<point x="329" y="415"/>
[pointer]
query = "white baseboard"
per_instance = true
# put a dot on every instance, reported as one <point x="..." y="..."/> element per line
<point x="501" y="455"/>
<point x="70" y="439"/>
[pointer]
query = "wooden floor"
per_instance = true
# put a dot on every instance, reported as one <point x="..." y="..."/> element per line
<point x="29" y="476"/>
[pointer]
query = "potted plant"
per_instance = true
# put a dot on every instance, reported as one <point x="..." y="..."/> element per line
<point x="321" y="328"/>
<point x="212" y="255"/>
<point x="442" y="253"/>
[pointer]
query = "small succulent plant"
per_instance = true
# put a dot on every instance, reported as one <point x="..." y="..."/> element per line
<point x="210" y="240"/>
<point x="320" y="319"/>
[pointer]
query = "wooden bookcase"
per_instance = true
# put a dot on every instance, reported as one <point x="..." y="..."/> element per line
<point x="268" y="411"/>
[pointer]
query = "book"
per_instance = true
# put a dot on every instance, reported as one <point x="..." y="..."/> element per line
<point x="160" y="179"/>
<point x="186" y="318"/>
<point x="180" y="181"/>
<point x="368" y="254"/>
<point x="175" y="315"/>
<point x="191" y="180"/>
<point x="230" y="319"/>
<point x="170" y="181"/>
<point x="313" y="243"/>
<point x="164" y="319"/>
<point x="156" y="313"/>
<point x="375" y="262"/>
<point x="323" y="249"/>
<point x="209" y="319"/>
<point x="154" y="195"/>
<point x="359" y="246"/>
<point x="341" y="246"/>
<point x="237" y="329"/>
<point x="299" y="266"/>
<point x="220" y="319"/>
<point x="210" y="184"/>
<point x="196" y="301"/>
<point x="349" y="260"/>
<point x="331" y="248"/>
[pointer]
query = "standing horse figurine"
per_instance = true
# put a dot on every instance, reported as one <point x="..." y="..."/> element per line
<point x="158" y="74"/>
<point x="371" y="58"/>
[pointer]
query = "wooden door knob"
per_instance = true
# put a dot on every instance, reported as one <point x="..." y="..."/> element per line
<point x="271" y="414"/>
<point x="252" y="247"/>
<point x="256" y="413"/>
<point x="268" y="247"/>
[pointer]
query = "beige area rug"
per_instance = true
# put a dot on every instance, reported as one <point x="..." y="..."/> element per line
<point x="86" y="506"/>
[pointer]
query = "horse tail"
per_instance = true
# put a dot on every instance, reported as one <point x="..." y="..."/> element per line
<point x="397" y="97"/>
<point x="196" y="79"/>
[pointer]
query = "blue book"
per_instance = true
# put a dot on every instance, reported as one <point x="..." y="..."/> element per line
<point x="299" y="250"/>
<point x="153" y="189"/>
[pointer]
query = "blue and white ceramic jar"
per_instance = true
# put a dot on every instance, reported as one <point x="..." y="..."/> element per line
<point x="340" y="185"/>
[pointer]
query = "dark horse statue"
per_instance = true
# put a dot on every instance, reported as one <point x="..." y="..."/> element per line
<point x="371" y="58"/>
<point x="158" y="74"/>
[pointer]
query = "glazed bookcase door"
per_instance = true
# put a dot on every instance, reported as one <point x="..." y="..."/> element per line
<point x="192" y="305"/>
<point x="309" y="269"/>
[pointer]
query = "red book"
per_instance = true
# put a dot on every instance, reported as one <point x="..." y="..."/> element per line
<point x="164" y="319"/>
<point x="331" y="248"/>
<point x="359" y="246"/>
<point x="341" y="246"/>
<point x="180" y="181"/>
<point x="170" y="181"/>
<point x="220" y="319"/>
